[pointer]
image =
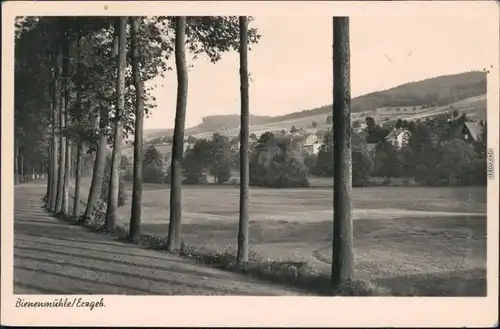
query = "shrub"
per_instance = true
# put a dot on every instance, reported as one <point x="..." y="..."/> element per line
<point x="199" y="179"/>
<point x="274" y="164"/>
<point x="474" y="173"/>
<point x="222" y="173"/>
<point x="151" y="173"/>
<point x="361" y="288"/>
<point x="362" y="166"/>
<point x="310" y="161"/>
<point x="298" y="273"/>
<point x="96" y="220"/>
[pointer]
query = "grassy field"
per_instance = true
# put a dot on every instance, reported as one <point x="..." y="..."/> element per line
<point x="424" y="241"/>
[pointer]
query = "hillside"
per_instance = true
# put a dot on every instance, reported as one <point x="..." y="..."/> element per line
<point x="439" y="91"/>
<point x="211" y="123"/>
<point x="466" y="90"/>
<point x="228" y="121"/>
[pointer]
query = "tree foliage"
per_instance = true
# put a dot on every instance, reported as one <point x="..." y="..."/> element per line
<point x="274" y="163"/>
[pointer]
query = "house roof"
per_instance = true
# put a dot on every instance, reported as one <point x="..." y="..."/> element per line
<point x="475" y="129"/>
<point x="393" y="134"/>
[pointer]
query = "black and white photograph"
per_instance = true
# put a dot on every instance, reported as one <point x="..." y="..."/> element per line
<point x="326" y="155"/>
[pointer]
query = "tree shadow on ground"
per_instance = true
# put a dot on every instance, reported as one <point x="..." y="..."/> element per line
<point x="102" y="281"/>
<point x="111" y="263"/>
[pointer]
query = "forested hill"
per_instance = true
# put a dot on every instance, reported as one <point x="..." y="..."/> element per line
<point x="216" y="122"/>
<point x="436" y="91"/>
<point x="440" y="90"/>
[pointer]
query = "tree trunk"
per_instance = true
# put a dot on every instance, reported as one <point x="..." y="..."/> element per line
<point x="98" y="168"/>
<point x="135" y="218"/>
<point x="22" y="168"/>
<point x="76" y="202"/>
<point x="17" y="180"/>
<point x="342" y="260"/>
<point x="67" y="161"/>
<point x="54" y="171"/>
<point x="29" y="170"/>
<point x="27" y="174"/>
<point x="62" y="142"/>
<point x="49" y="154"/>
<point x="244" y="144"/>
<point x="79" y="148"/>
<point x="111" y="211"/>
<point x="100" y="156"/>
<point x="174" y="228"/>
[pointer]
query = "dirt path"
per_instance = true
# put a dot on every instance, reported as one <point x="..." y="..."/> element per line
<point x="53" y="257"/>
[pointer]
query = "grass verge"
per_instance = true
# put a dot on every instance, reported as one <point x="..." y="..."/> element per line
<point x="298" y="275"/>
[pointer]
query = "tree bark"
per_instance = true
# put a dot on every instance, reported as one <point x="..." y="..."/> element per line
<point x="21" y="166"/>
<point x="79" y="148"/>
<point x="67" y="161"/>
<point x="98" y="168"/>
<point x="174" y="228"/>
<point x="17" y="179"/>
<point x="244" y="144"/>
<point x="27" y="174"/>
<point x="54" y="171"/>
<point x="342" y="260"/>
<point x="111" y="211"/>
<point x="135" y="217"/>
<point x="49" y="154"/>
<point x="29" y="170"/>
<point x="62" y="140"/>
<point x="76" y="201"/>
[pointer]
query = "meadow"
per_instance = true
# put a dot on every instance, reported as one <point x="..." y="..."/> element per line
<point x="414" y="240"/>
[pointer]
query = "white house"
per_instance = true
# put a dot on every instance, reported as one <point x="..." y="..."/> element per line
<point x="310" y="143"/>
<point x="399" y="137"/>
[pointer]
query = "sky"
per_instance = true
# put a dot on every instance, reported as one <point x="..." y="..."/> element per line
<point x="291" y="66"/>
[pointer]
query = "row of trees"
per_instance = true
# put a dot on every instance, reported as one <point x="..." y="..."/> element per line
<point x="273" y="162"/>
<point x="82" y="87"/>
<point x="434" y="153"/>
<point x="91" y="91"/>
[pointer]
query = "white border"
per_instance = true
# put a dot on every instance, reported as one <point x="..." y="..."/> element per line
<point x="251" y="311"/>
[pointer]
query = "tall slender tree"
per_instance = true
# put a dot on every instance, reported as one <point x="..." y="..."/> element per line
<point x="174" y="228"/>
<point x="79" y="147"/>
<point x="135" y="216"/>
<point x="66" y="86"/>
<point x="17" y="179"/>
<point x="111" y="211"/>
<point x="23" y="178"/>
<point x="342" y="261"/>
<point x="100" y="155"/>
<point x="62" y="139"/>
<point x="49" y="148"/>
<point x="244" y="143"/>
<point x="55" y="145"/>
